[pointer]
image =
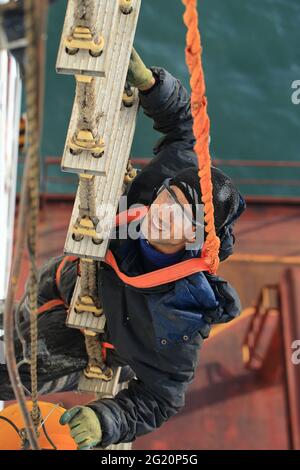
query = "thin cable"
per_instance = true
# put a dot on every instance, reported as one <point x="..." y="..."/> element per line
<point x="22" y="227"/>
<point x="48" y="437"/>
<point x="11" y="424"/>
<point x="34" y="175"/>
<point x="19" y="332"/>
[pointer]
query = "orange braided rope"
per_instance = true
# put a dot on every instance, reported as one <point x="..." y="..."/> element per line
<point x="201" y="128"/>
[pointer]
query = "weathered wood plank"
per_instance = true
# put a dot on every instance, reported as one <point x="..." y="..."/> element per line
<point x="102" y="388"/>
<point x="121" y="446"/>
<point x="108" y="99"/>
<point x="108" y="189"/>
<point x="84" y="321"/>
<point x="83" y="63"/>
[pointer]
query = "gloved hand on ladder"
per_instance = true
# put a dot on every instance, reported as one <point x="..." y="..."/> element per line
<point x="84" y="425"/>
<point x="139" y="75"/>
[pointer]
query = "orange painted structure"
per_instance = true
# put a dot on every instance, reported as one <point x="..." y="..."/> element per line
<point x="59" y="435"/>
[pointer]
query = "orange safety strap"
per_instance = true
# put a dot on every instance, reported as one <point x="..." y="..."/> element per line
<point x="49" y="305"/>
<point x="56" y="302"/>
<point x="104" y="347"/>
<point x="160" y="276"/>
<point x="61" y="267"/>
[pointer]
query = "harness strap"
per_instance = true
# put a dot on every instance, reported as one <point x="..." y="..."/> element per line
<point x="56" y="302"/>
<point x="60" y="268"/>
<point x="160" y="276"/>
<point x="49" y="305"/>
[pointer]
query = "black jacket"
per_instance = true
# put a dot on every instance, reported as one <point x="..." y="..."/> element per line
<point x="158" y="332"/>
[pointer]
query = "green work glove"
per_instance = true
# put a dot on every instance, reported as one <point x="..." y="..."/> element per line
<point x="85" y="426"/>
<point x="139" y="75"/>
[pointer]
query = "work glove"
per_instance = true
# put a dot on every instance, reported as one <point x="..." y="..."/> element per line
<point x="84" y="425"/>
<point x="139" y="75"/>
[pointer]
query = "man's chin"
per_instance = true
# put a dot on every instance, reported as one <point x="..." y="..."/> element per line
<point x="165" y="242"/>
<point x="155" y="241"/>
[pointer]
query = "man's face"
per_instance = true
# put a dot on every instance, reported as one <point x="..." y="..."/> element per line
<point x="167" y="224"/>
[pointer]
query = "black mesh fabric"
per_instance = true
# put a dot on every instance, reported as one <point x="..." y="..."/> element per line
<point x="226" y="197"/>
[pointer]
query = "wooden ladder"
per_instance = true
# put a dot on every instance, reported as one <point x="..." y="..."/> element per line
<point x="95" y="48"/>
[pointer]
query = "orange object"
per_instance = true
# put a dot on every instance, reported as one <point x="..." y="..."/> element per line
<point x="61" y="267"/>
<point x="104" y="347"/>
<point x="160" y="276"/>
<point x="201" y="128"/>
<point x="59" y="435"/>
<point x="50" y="305"/>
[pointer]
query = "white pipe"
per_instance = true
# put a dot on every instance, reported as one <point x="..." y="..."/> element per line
<point x="10" y="111"/>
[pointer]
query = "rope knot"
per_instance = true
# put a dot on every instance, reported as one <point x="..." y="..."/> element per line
<point x="210" y="252"/>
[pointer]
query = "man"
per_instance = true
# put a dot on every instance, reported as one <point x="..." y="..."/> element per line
<point x="156" y="332"/>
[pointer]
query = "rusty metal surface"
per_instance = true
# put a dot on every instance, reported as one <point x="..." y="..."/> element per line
<point x="290" y="309"/>
<point x="227" y="407"/>
<point x="259" y="335"/>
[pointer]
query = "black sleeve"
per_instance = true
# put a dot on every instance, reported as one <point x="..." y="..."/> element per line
<point x="157" y="394"/>
<point x="49" y="288"/>
<point x="168" y="104"/>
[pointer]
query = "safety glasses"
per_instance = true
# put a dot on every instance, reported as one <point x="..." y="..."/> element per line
<point x="174" y="201"/>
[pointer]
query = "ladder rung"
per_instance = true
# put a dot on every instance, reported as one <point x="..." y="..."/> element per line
<point x="121" y="446"/>
<point x="82" y="62"/>
<point x="84" y="320"/>
<point x="109" y="189"/>
<point x="122" y="386"/>
<point x="94" y="384"/>
<point x="102" y="388"/>
<point x="108" y="102"/>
